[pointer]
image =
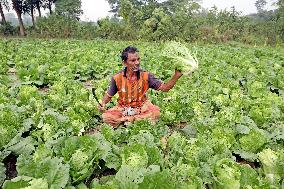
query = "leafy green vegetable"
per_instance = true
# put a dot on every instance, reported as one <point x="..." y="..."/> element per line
<point x="23" y="182"/>
<point x="2" y="173"/>
<point x="180" y="55"/>
<point x="233" y="105"/>
<point x="159" y="179"/>
<point x="253" y="141"/>
<point x="271" y="163"/>
<point x="227" y="174"/>
<point x="82" y="154"/>
<point x="135" y="156"/>
<point x="52" y="170"/>
<point x="249" y="177"/>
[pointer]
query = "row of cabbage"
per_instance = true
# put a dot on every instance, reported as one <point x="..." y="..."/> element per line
<point x="222" y="127"/>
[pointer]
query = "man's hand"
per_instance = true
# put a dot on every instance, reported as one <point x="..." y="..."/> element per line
<point x="178" y="73"/>
<point x="102" y="105"/>
<point x="102" y="108"/>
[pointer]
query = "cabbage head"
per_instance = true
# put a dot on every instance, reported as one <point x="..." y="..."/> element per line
<point x="180" y="56"/>
<point x="135" y="156"/>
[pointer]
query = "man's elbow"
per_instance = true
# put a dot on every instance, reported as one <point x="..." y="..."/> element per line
<point x="164" y="88"/>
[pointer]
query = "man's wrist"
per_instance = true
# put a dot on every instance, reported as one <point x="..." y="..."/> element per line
<point x="177" y="75"/>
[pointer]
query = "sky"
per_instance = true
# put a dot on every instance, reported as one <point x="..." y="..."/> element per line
<point x="96" y="9"/>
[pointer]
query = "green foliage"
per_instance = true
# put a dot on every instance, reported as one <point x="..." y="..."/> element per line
<point x="50" y="170"/>
<point x="135" y="156"/>
<point x="272" y="163"/>
<point x="80" y="153"/>
<point x="7" y="29"/>
<point x="161" y="179"/>
<point x="253" y="141"/>
<point x="58" y="26"/>
<point x="2" y="173"/>
<point x="68" y="8"/>
<point x="11" y="120"/>
<point x="153" y="20"/>
<point x="227" y="174"/>
<point x="249" y="176"/>
<point x="214" y="124"/>
<point x="180" y="56"/>
<point x="26" y="182"/>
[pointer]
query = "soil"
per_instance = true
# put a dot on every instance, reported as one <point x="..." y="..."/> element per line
<point x="44" y="89"/>
<point x="10" y="165"/>
<point x="240" y="160"/>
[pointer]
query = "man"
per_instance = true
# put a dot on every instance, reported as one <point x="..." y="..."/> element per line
<point x="131" y="84"/>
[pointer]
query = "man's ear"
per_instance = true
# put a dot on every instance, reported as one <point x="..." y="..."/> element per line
<point x="124" y="63"/>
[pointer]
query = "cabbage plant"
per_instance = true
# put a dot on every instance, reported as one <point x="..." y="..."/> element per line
<point x="181" y="57"/>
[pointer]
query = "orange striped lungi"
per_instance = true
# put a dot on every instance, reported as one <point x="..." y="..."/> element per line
<point x="114" y="116"/>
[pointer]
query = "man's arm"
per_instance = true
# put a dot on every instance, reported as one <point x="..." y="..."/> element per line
<point x="104" y="102"/>
<point x="108" y="95"/>
<point x="165" y="87"/>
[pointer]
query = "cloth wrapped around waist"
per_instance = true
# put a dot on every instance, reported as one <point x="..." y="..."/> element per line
<point x="129" y="111"/>
<point x="119" y="114"/>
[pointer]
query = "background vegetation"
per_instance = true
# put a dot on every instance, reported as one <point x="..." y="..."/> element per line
<point x="149" y="20"/>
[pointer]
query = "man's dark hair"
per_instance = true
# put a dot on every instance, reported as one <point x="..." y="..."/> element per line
<point x="129" y="49"/>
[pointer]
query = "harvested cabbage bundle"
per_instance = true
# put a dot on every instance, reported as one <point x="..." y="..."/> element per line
<point x="180" y="55"/>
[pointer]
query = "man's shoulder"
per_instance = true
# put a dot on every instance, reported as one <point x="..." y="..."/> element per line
<point x="118" y="73"/>
<point x="144" y="71"/>
<point x="145" y="74"/>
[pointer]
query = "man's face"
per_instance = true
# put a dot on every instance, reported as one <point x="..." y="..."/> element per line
<point x="133" y="62"/>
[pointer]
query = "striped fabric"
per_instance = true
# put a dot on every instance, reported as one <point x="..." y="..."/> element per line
<point x="132" y="93"/>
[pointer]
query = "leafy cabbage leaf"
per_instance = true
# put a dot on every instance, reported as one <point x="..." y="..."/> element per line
<point x="180" y="55"/>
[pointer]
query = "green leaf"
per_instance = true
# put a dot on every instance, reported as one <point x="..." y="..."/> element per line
<point x="2" y="173"/>
<point x="242" y="129"/>
<point x="227" y="174"/>
<point x="51" y="169"/>
<point x="158" y="180"/>
<point x="249" y="177"/>
<point x="135" y="156"/>
<point x="189" y="131"/>
<point x="21" y="145"/>
<point x="129" y="177"/>
<point x="253" y="141"/>
<point x="23" y="182"/>
<point x="17" y="183"/>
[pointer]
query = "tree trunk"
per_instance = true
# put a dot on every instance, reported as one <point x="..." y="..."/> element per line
<point x="38" y="9"/>
<point x="2" y="14"/>
<point x="19" y="15"/>
<point x="32" y="15"/>
<point x="49" y="7"/>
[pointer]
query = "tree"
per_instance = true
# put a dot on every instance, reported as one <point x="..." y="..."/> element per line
<point x="48" y="4"/>
<point x="38" y="4"/>
<point x="120" y="5"/>
<point x="69" y="8"/>
<point x="280" y="17"/>
<point x="259" y="4"/>
<point x="3" y="4"/>
<point x="18" y="6"/>
<point x="28" y="7"/>
<point x="186" y="7"/>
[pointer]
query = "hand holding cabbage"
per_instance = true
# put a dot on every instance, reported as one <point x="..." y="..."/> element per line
<point x="181" y="57"/>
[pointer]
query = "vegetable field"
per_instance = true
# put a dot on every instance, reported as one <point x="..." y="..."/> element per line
<point x="222" y="127"/>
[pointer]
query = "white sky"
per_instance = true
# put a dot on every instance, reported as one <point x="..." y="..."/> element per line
<point x="95" y="9"/>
